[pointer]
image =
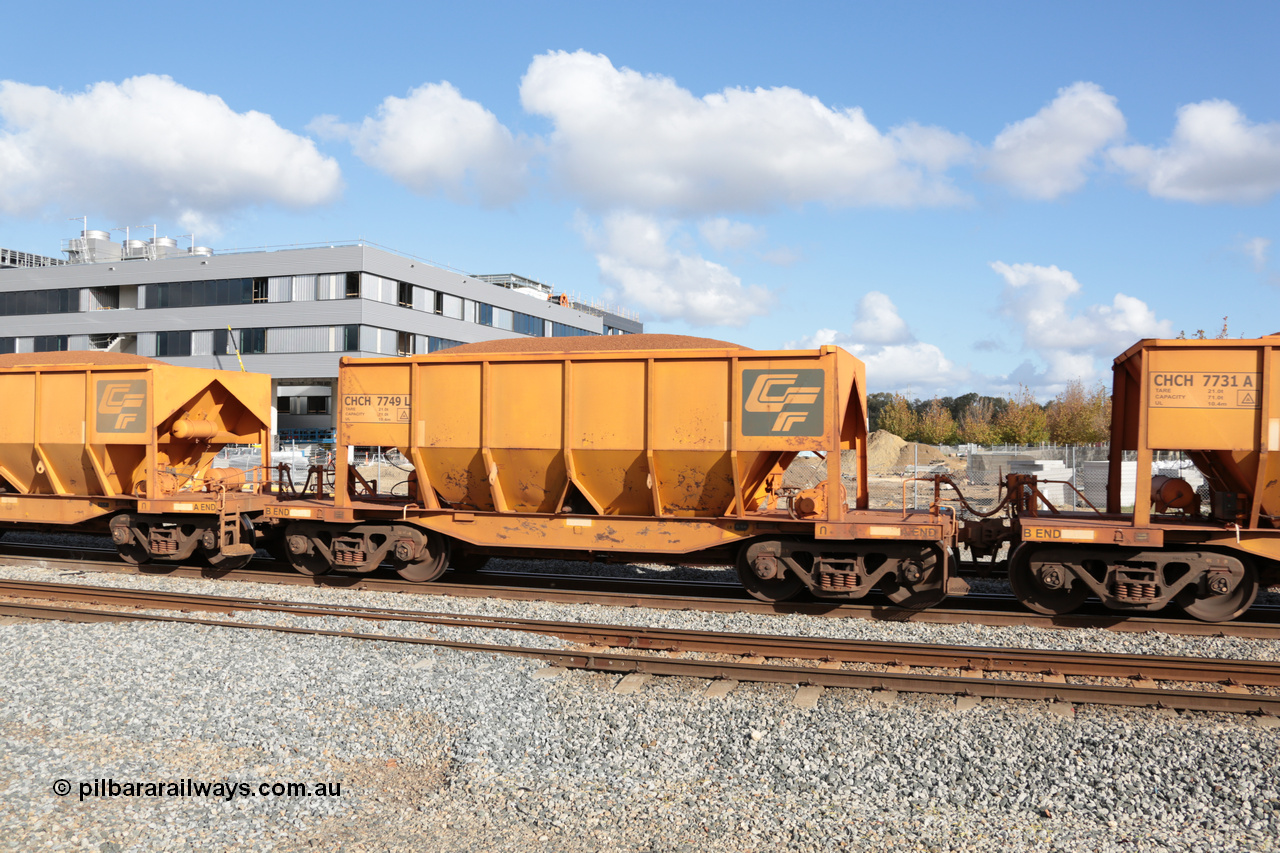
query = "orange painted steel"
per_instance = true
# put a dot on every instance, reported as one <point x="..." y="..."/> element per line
<point x="639" y="433"/>
<point x="1217" y="400"/>
<point x="84" y="440"/>
<point x="661" y="451"/>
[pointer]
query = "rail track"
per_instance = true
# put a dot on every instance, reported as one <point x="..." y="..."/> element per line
<point x="732" y="657"/>
<point x="986" y="609"/>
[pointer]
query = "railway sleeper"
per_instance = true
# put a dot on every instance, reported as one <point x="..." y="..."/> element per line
<point x="1208" y="585"/>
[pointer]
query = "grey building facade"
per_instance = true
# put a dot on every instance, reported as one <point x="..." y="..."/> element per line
<point x="292" y="313"/>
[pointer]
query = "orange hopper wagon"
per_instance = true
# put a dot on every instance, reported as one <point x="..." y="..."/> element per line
<point x="126" y="445"/>
<point x="639" y="447"/>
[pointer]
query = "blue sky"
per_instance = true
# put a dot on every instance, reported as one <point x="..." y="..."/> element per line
<point x="967" y="196"/>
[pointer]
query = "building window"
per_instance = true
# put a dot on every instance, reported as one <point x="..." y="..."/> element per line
<point x="484" y="314"/>
<point x="560" y="330"/>
<point x="317" y="405"/>
<point x="353" y="285"/>
<point x="404" y="343"/>
<point x="194" y="294"/>
<point x="434" y="344"/>
<point x="350" y="338"/>
<point x="8" y="345"/>
<point x="527" y="324"/>
<point x="406" y="295"/>
<point x="63" y="301"/>
<point x="51" y="343"/>
<point x="253" y="341"/>
<point x="261" y="290"/>
<point x="173" y="344"/>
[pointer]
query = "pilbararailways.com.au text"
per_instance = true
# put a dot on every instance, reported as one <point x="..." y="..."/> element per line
<point x="226" y="790"/>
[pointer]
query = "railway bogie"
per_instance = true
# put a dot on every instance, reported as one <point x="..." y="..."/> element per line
<point x="315" y="548"/>
<point x="126" y="445"/>
<point x="658" y="449"/>
<point x="910" y="574"/>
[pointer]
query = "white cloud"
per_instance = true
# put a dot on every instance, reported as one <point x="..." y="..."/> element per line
<point x="625" y="139"/>
<point x="639" y="265"/>
<point x="1257" y="249"/>
<point x="895" y="360"/>
<point x="877" y="321"/>
<point x="1215" y="155"/>
<point x="1036" y="298"/>
<point x="436" y="141"/>
<point x="721" y="233"/>
<point x="1050" y="153"/>
<point x="149" y="147"/>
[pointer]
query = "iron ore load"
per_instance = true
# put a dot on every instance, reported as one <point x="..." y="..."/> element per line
<point x="638" y="447"/>
<point x="125" y="445"/>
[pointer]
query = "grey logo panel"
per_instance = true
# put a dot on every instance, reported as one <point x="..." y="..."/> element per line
<point x="783" y="402"/>
<point x="122" y="406"/>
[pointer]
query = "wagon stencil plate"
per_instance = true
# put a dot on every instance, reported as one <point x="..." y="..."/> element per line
<point x="122" y="406"/>
<point x="783" y="402"/>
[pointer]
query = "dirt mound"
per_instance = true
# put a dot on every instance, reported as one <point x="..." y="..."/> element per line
<point x="35" y="359"/>
<point x="590" y="343"/>
<point x="883" y="449"/>
<point x="918" y="454"/>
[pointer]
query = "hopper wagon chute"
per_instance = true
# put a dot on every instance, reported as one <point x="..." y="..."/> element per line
<point x="1206" y="536"/>
<point x="637" y="447"/>
<point x="127" y="444"/>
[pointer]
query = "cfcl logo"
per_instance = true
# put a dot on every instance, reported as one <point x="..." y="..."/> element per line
<point x="782" y="402"/>
<point x="122" y="406"/>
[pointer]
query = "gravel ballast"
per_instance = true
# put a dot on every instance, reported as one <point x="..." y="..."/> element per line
<point x="444" y="750"/>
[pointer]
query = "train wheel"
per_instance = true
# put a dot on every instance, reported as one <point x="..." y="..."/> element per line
<point x="922" y="584"/>
<point x="305" y="559"/>
<point x="430" y="563"/>
<point x="1042" y="588"/>
<point x="224" y="563"/>
<point x="229" y="563"/>
<point x="778" y="586"/>
<point x="127" y="544"/>
<point x="310" y="564"/>
<point x="134" y="552"/>
<point x="1212" y="607"/>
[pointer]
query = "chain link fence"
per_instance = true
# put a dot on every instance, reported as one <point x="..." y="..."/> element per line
<point x="1071" y="477"/>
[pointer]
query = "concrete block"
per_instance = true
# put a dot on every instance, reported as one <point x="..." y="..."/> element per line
<point x="964" y="703"/>
<point x="807" y="696"/>
<point x="631" y="683"/>
<point x="720" y="688"/>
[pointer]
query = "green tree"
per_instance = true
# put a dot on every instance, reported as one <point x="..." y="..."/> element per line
<point x="1023" y="421"/>
<point x="875" y="405"/>
<point x="899" y="418"/>
<point x="1077" y="416"/>
<point x="935" y="425"/>
<point x="977" y="424"/>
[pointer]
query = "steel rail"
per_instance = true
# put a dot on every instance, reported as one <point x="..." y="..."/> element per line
<point x="1135" y="696"/>
<point x="614" y="592"/>
<point x="783" y="646"/>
